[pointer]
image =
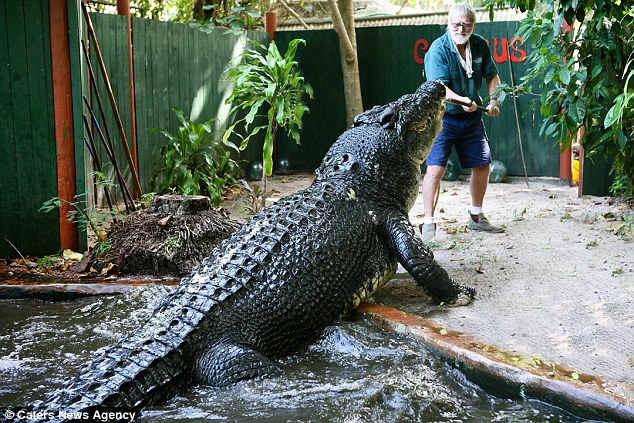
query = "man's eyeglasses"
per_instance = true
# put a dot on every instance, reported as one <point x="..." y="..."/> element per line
<point x="465" y="25"/>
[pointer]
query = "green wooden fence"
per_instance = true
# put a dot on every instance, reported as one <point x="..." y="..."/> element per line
<point x="27" y="142"/>
<point x="174" y="65"/>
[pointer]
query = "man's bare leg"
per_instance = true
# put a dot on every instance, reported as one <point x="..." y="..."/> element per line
<point x="431" y="188"/>
<point x="431" y="191"/>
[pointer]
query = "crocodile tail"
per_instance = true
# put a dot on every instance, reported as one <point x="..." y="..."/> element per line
<point x="148" y="366"/>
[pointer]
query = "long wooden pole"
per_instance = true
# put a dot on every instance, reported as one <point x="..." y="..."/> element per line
<point x="123" y="9"/>
<point x="133" y="169"/>
<point x="110" y="153"/>
<point x="517" y="118"/>
<point x="63" y="110"/>
<point x="92" y="149"/>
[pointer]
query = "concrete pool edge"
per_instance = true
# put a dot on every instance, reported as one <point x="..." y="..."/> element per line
<point x="584" y="395"/>
<point x="16" y="289"/>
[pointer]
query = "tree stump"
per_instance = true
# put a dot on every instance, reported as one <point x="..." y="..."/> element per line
<point x="168" y="239"/>
<point x="180" y="204"/>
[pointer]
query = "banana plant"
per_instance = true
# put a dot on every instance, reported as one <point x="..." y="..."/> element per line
<point x="269" y="85"/>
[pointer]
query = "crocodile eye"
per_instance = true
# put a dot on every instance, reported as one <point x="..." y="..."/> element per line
<point x="356" y="166"/>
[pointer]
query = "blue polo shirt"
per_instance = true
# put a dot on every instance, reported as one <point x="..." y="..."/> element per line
<point x="441" y="62"/>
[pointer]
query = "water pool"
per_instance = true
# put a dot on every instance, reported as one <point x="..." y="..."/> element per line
<point x="356" y="372"/>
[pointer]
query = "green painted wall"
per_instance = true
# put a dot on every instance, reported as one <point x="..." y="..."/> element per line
<point x="27" y="141"/>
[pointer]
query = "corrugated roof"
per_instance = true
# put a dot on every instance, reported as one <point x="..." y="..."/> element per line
<point x="386" y="19"/>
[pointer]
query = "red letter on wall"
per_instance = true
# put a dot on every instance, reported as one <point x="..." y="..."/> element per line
<point x="521" y="54"/>
<point x="502" y="56"/>
<point x="420" y="48"/>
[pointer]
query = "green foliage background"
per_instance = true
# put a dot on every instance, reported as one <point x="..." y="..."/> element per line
<point x="584" y="76"/>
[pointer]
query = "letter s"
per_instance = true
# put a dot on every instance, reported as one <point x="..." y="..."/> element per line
<point x="521" y="54"/>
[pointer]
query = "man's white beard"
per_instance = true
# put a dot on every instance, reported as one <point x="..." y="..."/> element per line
<point x="460" y="39"/>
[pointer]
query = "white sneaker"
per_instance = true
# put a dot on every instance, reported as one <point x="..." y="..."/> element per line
<point x="483" y="225"/>
<point x="427" y="231"/>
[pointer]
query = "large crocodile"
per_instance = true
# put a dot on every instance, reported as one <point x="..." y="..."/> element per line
<point x="287" y="273"/>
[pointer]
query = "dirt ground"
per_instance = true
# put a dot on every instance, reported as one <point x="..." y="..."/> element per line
<point x="558" y="285"/>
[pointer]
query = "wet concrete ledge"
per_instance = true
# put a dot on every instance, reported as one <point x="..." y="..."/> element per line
<point x="502" y="373"/>
<point x="40" y="289"/>
<point x="497" y="371"/>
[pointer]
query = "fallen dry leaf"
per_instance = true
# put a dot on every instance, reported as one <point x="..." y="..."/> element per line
<point x="71" y="255"/>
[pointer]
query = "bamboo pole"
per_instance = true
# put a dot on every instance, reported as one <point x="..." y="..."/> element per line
<point x="107" y="140"/>
<point x="127" y="197"/>
<point x="97" y="164"/>
<point x="91" y="32"/>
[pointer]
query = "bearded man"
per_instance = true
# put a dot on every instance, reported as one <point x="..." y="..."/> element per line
<point x="461" y="60"/>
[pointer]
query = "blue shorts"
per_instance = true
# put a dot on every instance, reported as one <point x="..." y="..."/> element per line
<point x="466" y="132"/>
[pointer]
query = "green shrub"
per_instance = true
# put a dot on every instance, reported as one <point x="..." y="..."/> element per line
<point x="195" y="163"/>
<point x="265" y="78"/>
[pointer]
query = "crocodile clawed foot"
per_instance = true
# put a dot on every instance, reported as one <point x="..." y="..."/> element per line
<point x="464" y="297"/>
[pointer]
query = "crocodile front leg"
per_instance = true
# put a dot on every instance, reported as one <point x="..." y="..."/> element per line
<point x="419" y="262"/>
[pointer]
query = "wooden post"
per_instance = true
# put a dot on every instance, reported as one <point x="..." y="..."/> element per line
<point x="565" y="165"/>
<point x="581" y="161"/>
<point x="270" y="23"/>
<point x="123" y="8"/>
<point x="63" y="112"/>
<point x="270" y="26"/>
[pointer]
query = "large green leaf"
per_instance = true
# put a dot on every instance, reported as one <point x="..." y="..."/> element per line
<point x="612" y="116"/>
<point x="577" y="111"/>
<point x="564" y="75"/>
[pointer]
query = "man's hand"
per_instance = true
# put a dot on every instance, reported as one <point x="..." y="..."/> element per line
<point x="493" y="108"/>
<point x="473" y="105"/>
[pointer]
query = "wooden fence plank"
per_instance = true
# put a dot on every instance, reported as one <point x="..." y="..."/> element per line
<point x="23" y="123"/>
<point x="27" y="173"/>
<point x="8" y="194"/>
<point x="140" y="58"/>
<point x="43" y="152"/>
